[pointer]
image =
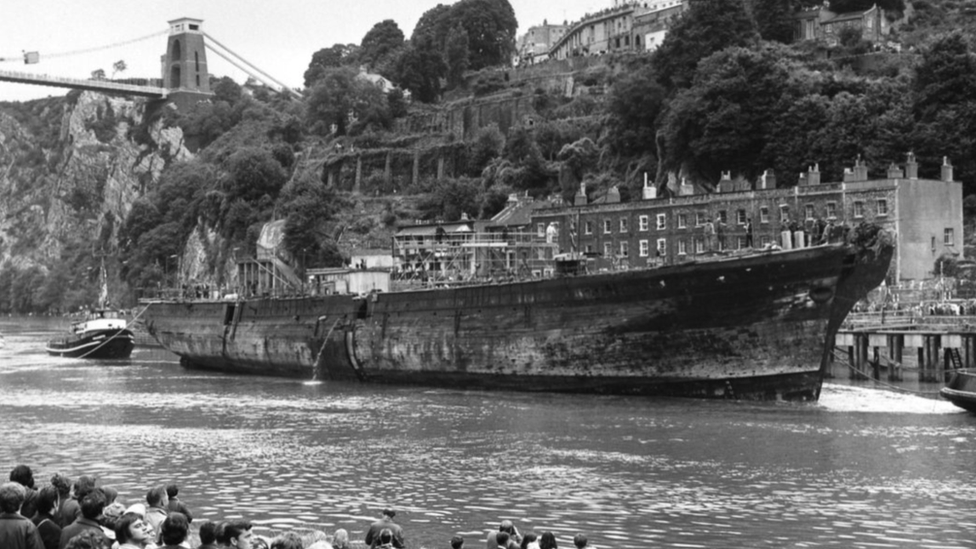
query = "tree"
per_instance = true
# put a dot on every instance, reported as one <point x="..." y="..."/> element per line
<point x="456" y="55"/>
<point x="98" y="74"/>
<point x="420" y="68"/>
<point x="773" y="19"/>
<point x="118" y="66"/>
<point x="722" y="121"/>
<point x="309" y="208"/>
<point x="635" y="103"/>
<point x="705" y="27"/>
<point x="329" y="58"/>
<point x="382" y="40"/>
<point x="254" y="173"/>
<point x="490" y="26"/>
<point x="341" y="96"/>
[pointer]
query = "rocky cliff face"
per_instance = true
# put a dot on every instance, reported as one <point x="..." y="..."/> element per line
<point x="70" y="169"/>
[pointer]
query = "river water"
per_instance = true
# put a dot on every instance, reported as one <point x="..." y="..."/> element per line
<point x="862" y="468"/>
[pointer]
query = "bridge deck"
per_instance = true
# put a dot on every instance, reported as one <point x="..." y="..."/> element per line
<point x="79" y="84"/>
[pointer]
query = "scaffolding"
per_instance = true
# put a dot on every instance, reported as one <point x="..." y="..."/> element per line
<point x="431" y="256"/>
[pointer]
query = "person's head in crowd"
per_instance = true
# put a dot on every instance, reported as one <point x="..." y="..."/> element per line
<point x="63" y="484"/>
<point x="547" y="541"/>
<point x="112" y="513"/>
<point x="93" y="504"/>
<point x="47" y="500"/>
<point x="174" y="529"/>
<point x="208" y="533"/>
<point x="89" y="539"/>
<point x="22" y="475"/>
<point x="340" y="540"/>
<point x="502" y="538"/>
<point x="12" y="496"/>
<point x="83" y="485"/>
<point x="156" y="497"/>
<point x="507" y="526"/>
<point x="172" y="490"/>
<point x="386" y="536"/>
<point x="136" y="509"/>
<point x="527" y="539"/>
<point x="457" y="542"/>
<point x="288" y="540"/>
<point x="132" y="529"/>
<point x="237" y="534"/>
<point x="110" y="494"/>
<point x="579" y="540"/>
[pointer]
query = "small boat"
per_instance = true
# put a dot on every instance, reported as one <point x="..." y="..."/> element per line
<point x="961" y="389"/>
<point x="103" y="334"/>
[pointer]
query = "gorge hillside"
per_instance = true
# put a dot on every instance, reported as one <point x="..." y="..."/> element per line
<point x="153" y="191"/>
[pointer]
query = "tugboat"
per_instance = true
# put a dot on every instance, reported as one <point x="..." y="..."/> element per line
<point x="103" y="334"/>
<point x="961" y="389"/>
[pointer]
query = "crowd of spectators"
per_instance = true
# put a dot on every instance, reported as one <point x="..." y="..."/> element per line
<point x="80" y="515"/>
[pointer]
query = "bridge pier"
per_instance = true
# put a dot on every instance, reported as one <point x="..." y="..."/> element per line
<point x="896" y="347"/>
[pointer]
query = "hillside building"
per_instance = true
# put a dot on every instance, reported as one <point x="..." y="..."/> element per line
<point x="628" y="26"/>
<point x="925" y="215"/>
<point x="533" y="46"/>
<point x="820" y="23"/>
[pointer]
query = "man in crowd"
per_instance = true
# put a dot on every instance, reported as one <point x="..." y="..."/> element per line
<point x="236" y="534"/>
<point x="156" y="513"/>
<point x="16" y="532"/>
<point x="174" y="502"/>
<point x="513" y="538"/>
<point x="71" y="510"/>
<point x="92" y="505"/>
<point x="47" y="504"/>
<point x="23" y="475"/>
<point x="63" y="484"/>
<point x="385" y="522"/>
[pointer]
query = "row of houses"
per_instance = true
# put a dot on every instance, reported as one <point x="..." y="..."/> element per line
<point x="642" y="25"/>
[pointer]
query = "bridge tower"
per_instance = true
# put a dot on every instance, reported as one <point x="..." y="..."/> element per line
<point x="185" y="63"/>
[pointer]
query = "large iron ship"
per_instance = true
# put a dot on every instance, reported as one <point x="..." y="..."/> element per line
<point x="747" y="326"/>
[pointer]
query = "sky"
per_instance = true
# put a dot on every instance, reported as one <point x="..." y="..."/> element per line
<point x="277" y="36"/>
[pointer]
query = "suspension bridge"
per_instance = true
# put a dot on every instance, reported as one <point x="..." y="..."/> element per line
<point x="184" y="78"/>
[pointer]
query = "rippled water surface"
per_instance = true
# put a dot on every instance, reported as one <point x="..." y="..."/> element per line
<point x="861" y="468"/>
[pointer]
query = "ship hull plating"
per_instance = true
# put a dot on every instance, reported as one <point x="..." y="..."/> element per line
<point x="755" y="327"/>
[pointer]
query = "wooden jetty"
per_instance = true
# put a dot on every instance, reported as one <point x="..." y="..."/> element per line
<point x="929" y="347"/>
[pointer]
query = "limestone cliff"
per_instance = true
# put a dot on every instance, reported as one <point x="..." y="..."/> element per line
<point x="77" y="183"/>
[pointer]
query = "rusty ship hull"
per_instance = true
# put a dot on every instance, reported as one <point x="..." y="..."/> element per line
<point x="753" y="327"/>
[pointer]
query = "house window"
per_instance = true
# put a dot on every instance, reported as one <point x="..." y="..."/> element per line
<point x="589" y="248"/>
<point x="624" y="249"/>
<point x="740" y="242"/>
<point x="808" y="211"/>
<point x="662" y="247"/>
<point x="682" y="220"/>
<point x="607" y="249"/>
<point x="700" y="219"/>
<point x="831" y="210"/>
<point x="588" y="227"/>
<point x="699" y="246"/>
<point x="606" y="226"/>
<point x="645" y="248"/>
<point x="723" y="217"/>
<point x="643" y="223"/>
<point x="540" y="230"/>
<point x="859" y="209"/>
<point x="624" y="224"/>
<point x="740" y="217"/>
<point x="662" y="221"/>
<point x="682" y="247"/>
<point x="764" y="215"/>
<point x="948" y="237"/>
<point x="784" y="214"/>
<point x="763" y="241"/>
<point x="882" y="206"/>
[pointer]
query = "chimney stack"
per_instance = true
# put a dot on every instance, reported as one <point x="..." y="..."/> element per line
<point x="946" y="169"/>
<point x="813" y="175"/>
<point x="580" y="198"/>
<point x="613" y="195"/>
<point x="725" y="183"/>
<point x="650" y="191"/>
<point x="767" y="180"/>
<point x="911" y="167"/>
<point x="894" y="172"/>
<point x="686" y="189"/>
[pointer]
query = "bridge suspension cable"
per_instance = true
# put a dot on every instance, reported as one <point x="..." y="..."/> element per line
<point x="249" y="64"/>
<point x="20" y="57"/>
